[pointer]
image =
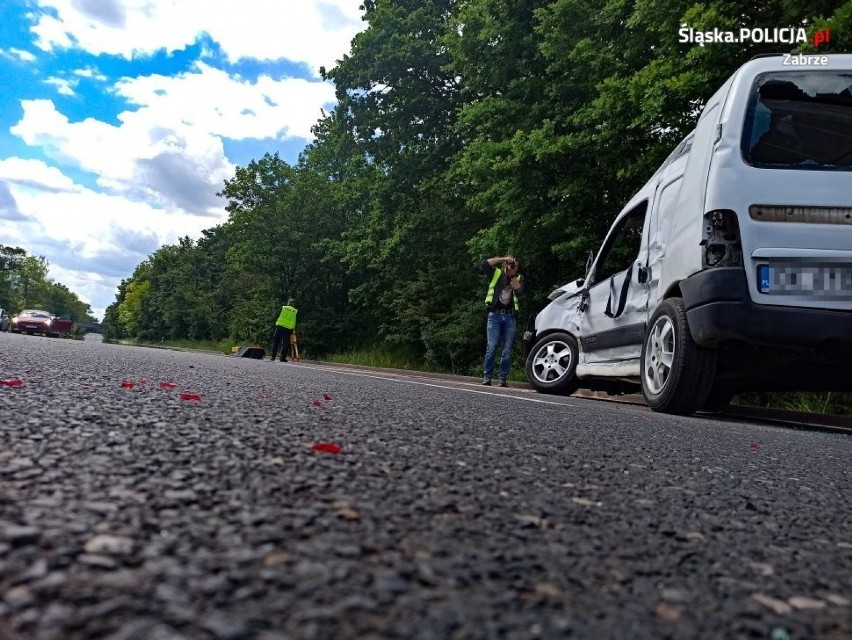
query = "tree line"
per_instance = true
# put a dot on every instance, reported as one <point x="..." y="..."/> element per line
<point x="24" y="284"/>
<point x="463" y="129"/>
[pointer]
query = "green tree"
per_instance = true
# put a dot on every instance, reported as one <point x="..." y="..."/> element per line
<point x="113" y="328"/>
<point x="61" y="301"/>
<point x="29" y="281"/>
<point x="130" y="311"/>
<point x="10" y="260"/>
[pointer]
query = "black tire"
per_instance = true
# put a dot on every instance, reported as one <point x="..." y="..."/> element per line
<point x="676" y="374"/>
<point x="718" y="399"/>
<point x="552" y="364"/>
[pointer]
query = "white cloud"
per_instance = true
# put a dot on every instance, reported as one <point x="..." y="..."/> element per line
<point x="88" y="220"/>
<point x="176" y="132"/>
<point x="109" y="193"/>
<point x="36" y="174"/>
<point x="186" y="115"/>
<point x="63" y="86"/>
<point x="18" y="54"/>
<point x="315" y="32"/>
<point x="91" y="72"/>
<point x="92" y="240"/>
<point x="230" y="106"/>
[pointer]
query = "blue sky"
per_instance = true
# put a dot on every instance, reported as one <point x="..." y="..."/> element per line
<point x="120" y="119"/>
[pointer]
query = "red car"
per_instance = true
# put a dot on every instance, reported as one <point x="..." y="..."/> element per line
<point x="37" y="321"/>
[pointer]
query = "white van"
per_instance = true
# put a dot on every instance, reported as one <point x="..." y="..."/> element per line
<point x="731" y="269"/>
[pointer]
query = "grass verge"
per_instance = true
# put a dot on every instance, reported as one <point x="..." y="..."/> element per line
<point x="222" y="346"/>
<point x="381" y="359"/>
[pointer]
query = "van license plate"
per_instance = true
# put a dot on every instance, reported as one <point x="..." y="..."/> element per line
<point x="824" y="280"/>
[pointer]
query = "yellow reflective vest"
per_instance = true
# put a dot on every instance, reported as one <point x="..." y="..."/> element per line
<point x="287" y="317"/>
<point x="489" y="296"/>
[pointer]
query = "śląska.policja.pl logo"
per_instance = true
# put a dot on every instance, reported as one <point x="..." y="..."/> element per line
<point x="777" y="35"/>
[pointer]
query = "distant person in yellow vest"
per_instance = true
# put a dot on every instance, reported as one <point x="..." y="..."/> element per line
<point x="284" y="326"/>
<point x="501" y="301"/>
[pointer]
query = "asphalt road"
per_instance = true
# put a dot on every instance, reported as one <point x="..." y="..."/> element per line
<point x="450" y="511"/>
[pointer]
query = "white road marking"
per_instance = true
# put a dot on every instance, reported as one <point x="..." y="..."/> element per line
<point x="439" y="386"/>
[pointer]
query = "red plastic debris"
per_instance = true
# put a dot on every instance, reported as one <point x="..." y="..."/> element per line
<point x="168" y="385"/>
<point x="11" y="382"/>
<point x="190" y="396"/>
<point x="327" y="397"/>
<point x="264" y="397"/>
<point x="127" y="384"/>
<point x="317" y="403"/>
<point x="755" y="446"/>
<point x="326" y="447"/>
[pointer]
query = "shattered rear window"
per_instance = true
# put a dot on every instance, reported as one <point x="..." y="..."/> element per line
<point x="800" y="120"/>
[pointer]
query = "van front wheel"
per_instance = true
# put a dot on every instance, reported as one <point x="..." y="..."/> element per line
<point x="677" y="374"/>
<point x="552" y="364"/>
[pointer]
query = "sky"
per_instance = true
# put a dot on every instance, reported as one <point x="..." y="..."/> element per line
<point x="120" y="120"/>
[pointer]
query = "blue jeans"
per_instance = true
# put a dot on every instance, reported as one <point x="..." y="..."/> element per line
<point x="501" y="327"/>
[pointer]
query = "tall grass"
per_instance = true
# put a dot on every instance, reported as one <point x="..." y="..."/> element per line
<point x="825" y="402"/>
<point x="381" y="358"/>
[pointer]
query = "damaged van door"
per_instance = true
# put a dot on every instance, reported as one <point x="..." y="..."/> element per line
<point x="616" y="300"/>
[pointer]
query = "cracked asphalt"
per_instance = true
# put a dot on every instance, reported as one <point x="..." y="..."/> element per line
<point x="278" y="501"/>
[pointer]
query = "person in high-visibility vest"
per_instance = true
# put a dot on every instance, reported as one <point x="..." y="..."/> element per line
<point x="501" y="301"/>
<point x="284" y="326"/>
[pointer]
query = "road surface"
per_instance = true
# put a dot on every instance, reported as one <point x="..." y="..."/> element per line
<point x="450" y="510"/>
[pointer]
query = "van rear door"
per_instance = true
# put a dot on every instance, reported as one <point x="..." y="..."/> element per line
<point x="788" y="175"/>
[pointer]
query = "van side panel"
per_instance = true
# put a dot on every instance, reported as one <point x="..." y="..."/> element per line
<point x="682" y="232"/>
<point x="663" y="210"/>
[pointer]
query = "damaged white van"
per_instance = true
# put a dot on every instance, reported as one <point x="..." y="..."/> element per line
<point x="731" y="269"/>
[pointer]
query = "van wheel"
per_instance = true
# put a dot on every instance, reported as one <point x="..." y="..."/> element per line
<point x="676" y="373"/>
<point x="552" y="364"/>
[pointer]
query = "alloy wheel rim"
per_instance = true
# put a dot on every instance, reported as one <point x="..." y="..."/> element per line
<point x="659" y="355"/>
<point x="552" y="362"/>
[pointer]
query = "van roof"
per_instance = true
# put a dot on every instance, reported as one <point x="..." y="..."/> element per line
<point x="775" y="62"/>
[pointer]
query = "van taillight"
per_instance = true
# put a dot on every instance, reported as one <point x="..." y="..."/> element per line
<point x="721" y="239"/>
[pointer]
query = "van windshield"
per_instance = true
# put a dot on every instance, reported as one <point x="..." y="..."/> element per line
<point x="800" y="120"/>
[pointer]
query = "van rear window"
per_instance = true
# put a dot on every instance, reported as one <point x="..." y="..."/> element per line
<point x="800" y="120"/>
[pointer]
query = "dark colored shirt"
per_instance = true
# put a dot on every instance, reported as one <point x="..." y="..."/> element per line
<point x="502" y="298"/>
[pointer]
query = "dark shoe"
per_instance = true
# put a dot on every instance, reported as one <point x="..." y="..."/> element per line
<point x="503" y="383"/>
<point x="486" y="383"/>
<point x="283" y="359"/>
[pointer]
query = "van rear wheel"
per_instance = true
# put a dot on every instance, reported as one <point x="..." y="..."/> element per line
<point x="718" y="399"/>
<point x="676" y="374"/>
<point x="552" y="364"/>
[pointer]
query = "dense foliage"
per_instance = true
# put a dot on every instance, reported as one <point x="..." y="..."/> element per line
<point x="464" y="129"/>
<point x="24" y="285"/>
